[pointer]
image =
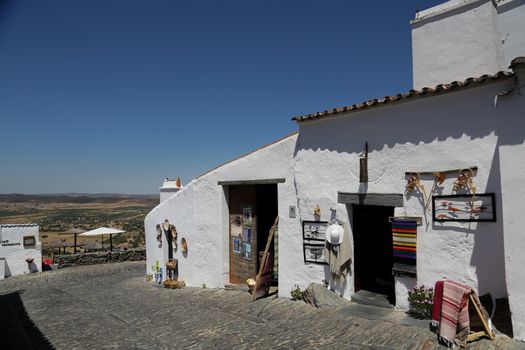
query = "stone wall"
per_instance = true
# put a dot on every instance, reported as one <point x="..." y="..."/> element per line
<point x="99" y="258"/>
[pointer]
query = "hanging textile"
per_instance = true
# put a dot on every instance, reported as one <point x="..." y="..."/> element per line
<point x="404" y="238"/>
<point x="450" y="315"/>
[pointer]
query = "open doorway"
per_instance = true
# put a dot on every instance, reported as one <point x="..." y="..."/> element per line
<point x="252" y="212"/>
<point x="373" y="250"/>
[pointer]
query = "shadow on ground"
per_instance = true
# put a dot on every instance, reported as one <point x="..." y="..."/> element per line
<point x="18" y="331"/>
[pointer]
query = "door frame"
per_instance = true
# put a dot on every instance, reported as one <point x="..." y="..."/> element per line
<point x="224" y="201"/>
<point x="377" y="199"/>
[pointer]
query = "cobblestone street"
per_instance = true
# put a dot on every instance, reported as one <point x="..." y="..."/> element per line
<point x="111" y="307"/>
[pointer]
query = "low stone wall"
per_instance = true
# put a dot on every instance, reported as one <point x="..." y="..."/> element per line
<point x="99" y="258"/>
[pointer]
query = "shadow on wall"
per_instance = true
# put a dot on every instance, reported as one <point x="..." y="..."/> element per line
<point x="18" y="331"/>
<point x="488" y="256"/>
<point x="7" y="271"/>
<point x="423" y="121"/>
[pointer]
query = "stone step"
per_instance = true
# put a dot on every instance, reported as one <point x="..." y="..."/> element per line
<point x="370" y="298"/>
<point x="236" y="287"/>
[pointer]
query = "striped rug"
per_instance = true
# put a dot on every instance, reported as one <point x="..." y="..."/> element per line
<point x="404" y="237"/>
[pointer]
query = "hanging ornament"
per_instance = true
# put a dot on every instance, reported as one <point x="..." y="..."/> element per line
<point x="317" y="211"/>
<point x="465" y="181"/>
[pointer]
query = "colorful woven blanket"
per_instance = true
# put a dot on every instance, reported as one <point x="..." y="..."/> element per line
<point x="404" y="237"/>
<point x="450" y="316"/>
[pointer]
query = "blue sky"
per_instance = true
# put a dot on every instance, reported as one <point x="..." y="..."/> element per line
<point x="113" y="96"/>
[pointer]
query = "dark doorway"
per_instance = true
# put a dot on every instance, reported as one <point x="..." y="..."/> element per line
<point x="252" y="210"/>
<point x="373" y="250"/>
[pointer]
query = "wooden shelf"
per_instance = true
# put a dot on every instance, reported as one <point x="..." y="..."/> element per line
<point x="449" y="171"/>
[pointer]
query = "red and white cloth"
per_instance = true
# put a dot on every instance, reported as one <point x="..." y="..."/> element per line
<point x="450" y="316"/>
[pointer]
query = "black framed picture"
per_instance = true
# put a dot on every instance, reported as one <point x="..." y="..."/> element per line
<point x="464" y="208"/>
<point x="314" y="230"/>
<point x="314" y="253"/>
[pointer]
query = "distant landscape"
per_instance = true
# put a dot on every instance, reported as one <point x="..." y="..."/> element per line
<point x="57" y="213"/>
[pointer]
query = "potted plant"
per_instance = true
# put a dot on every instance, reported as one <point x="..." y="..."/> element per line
<point x="421" y="300"/>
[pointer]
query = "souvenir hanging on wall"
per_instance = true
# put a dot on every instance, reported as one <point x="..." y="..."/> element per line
<point x="184" y="246"/>
<point x="465" y="181"/>
<point x="439" y="179"/>
<point x="247" y="251"/>
<point x="404" y="239"/>
<point x="247" y="234"/>
<point x="236" y="225"/>
<point x="363" y="165"/>
<point x="413" y="184"/>
<point x="314" y="253"/>
<point x="314" y="230"/>
<point x="464" y="208"/>
<point x="314" y="237"/>
<point x="236" y="245"/>
<point x="166" y="225"/>
<point x="159" y="235"/>
<point x="173" y="232"/>
<point x="317" y="212"/>
<point x="247" y="216"/>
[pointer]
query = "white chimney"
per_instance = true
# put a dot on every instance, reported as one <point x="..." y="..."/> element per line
<point x="456" y="40"/>
<point x="169" y="188"/>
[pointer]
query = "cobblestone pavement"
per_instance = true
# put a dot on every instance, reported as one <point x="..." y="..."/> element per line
<point x="112" y="307"/>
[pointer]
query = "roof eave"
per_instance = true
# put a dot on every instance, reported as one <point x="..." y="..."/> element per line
<point x="408" y="96"/>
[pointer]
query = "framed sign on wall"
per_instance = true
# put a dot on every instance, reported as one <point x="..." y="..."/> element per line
<point x="464" y="208"/>
<point x="314" y="253"/>
<point x="314" y="230"/>
<point x="314" y="237"/>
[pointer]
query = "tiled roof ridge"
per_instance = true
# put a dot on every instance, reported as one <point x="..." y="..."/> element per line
<point x="426" y="91"/>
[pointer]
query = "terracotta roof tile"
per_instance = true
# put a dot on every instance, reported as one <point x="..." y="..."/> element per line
<point x="426" y="91"/>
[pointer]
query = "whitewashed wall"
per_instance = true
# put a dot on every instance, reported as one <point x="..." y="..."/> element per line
<point x="511" y="141"/>
<point x="436" y="133"/>
<point x="453" y="130"/>
<point x="200" y="213"/>
<point x="13" y="251"/>
<point x="454" y="41"/>
<point x="511" y="18"/>
<point x="460" y="39"/>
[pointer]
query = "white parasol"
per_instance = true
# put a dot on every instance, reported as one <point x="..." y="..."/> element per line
<point x="101" y="231"/>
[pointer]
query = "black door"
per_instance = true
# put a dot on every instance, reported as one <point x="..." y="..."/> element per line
<point x="373" y="249"/>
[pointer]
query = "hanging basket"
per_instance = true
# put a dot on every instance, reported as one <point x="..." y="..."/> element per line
<point x="171" y="264"/>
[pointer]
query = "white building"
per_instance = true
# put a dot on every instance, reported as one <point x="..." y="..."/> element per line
<point x="466" y="38"/>
<point x="20" y="249"/>
<point x="472" y="126"/>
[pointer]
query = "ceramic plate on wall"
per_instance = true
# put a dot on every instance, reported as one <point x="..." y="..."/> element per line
<point x="184" y="245"/>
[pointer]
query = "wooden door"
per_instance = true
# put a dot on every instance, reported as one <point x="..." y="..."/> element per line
<point x="243" y="233"/>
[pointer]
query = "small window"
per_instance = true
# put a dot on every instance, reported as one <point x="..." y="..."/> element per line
<point x="29" y="240"/>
